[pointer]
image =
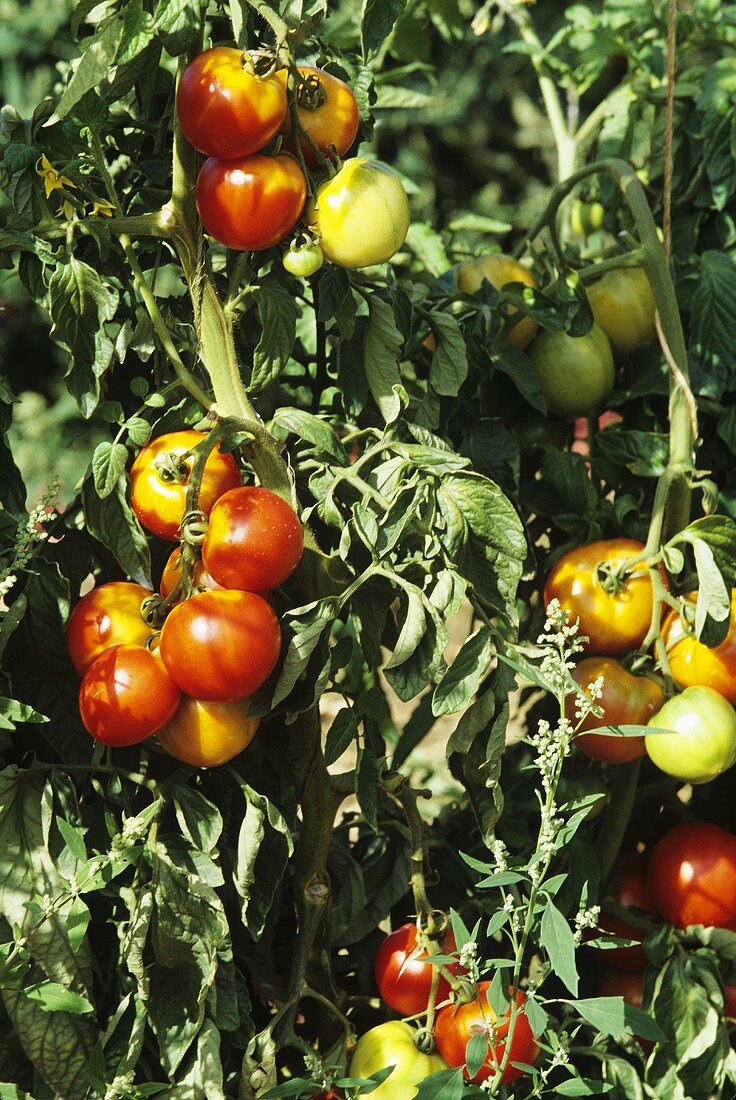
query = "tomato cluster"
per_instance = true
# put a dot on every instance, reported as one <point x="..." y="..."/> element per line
<point x="220" y="640"/>
<point x="251" y="195"/>
<point x="690" y="879"/>
<point x="405" y="977"/>
<point x="693" y="734"/>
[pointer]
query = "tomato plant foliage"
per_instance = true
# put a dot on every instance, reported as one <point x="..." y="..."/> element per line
<point x="211" y="932"/>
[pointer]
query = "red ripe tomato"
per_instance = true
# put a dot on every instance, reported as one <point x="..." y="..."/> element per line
<point x="160" y="502"/>
<point x="221" y="645"/>
<point x="226" y="111"/>
<point x="172" y="575"/>
<point x="252" y="202"/>
<point x="631" y="988"/>
<point x="634" y="892"/>
<point x="208" y="734"/>
<point x="254" y="540"/>
<point x="618" y="984"/>
<point x="127" y="695"/>
<point x="457" y="1024"/>
<point x="404" y="977"/>
<point x="692" y="873"/>
<point x="108" y="615"/>
<point x="613" y="622"/>
<point x="694" y="664"/>
<point x="626" y="701"/>
<point x="327" y="111"/>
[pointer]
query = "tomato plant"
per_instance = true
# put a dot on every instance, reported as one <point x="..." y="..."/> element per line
<point x="126" y="695"/>
<point x="159" y="478"/>
<point x="500" y="270"/>
<point x="221" y="646"/>
<point x="614" y="611"/>
<point x="692" y="872"/>
<point x="625" y="700"/>
<point x="392" y="1044"/>
<point x="623" y="307"/>
<point x="254" y="540"/>
<point x="225" y="108"/>
<point x="327" y="112"/>
<point x="576" y="373"/>
<point x="361" y="215"/>
<point x="702" y="743"/>
<point x="694" y="664"/>
<point x="108" y="615"/>
<point x="250" y="202"/>
<point x="458" y="1024"/>
<point x="208" y="734"/>
<point x="196" y="911"/>
<point x="404" y="977"/>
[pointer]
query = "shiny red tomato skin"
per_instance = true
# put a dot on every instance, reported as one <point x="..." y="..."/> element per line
<point x="172" y="574"/>
<point x="613" y="623"/>
<point x="225" y="111"/>
<point x="254" y="540"/>
<point x="403" y="977"/>
<point x="694" y="664"/>
<point x="159" y="504"/>
<point x="220" y="645"/>
<point x="334" y="122"/>
<point x="108" y="615"/>
<point x="127" y="695"/>
<point x="619" y="984"/>
<point x="456" y="1025"/>
<point x="692" y="873"/>
<point x="250" y="203"/>
<point x="626" y="701"/>
<point x="633" y="891"/>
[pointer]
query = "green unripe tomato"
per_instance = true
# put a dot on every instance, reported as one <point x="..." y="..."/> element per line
<point x="303" y="261"/>
<point x="576" y="373"/>
<point x="533" y="429"/>
<point x="361" y="215"/>
<point x="392" y="1044"/>
<point x="702" y="743"/>
<point x="586" y="217"/>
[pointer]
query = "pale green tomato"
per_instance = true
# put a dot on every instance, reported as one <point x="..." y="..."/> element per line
<point x="303" y="261"/>
<point x="702" y="743"/>
<point x="361" y="215"/>
<point x="576" y="372"/>
<point x="392" y="1044"/>
<point x="624" y="307"/>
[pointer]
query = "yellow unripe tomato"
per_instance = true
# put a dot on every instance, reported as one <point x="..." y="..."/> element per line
<point x="361" y="215"/>
<point x="623" y="306"/>
<point x="500" y="270"/>
<point x="207" y="734"/>
<point x="392" y="1044"/>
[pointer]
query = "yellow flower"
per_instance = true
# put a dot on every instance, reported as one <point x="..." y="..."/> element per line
<point x="52" y="181"/>
<point x="102" y="209"/>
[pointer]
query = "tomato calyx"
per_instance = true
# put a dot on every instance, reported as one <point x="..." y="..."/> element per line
<point x="260" y="63"/>
<point x="424" y="1040"/>
<point x="151" y="611"/>
<point x="194" y="527"/>
<point x="172" y="468"/>
<point x="310" y="93"/>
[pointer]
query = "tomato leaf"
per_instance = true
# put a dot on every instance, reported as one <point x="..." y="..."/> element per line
<point x="277" y="315"/>
<point x="264" y="848"/>
<point x="382" y="346"/>
<point x="112" y="522"/>
<point x="80" y="304"/>
<point x="108" y="465"/>
<point x="449" y="367"/>
<point x="376" y="23"/>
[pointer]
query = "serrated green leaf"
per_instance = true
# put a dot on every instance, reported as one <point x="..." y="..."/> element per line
<point x="277" y="314"/>
<point x="381" y="348"/>
<point x="108" y="465"/>
<point x="464" y="676"/>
